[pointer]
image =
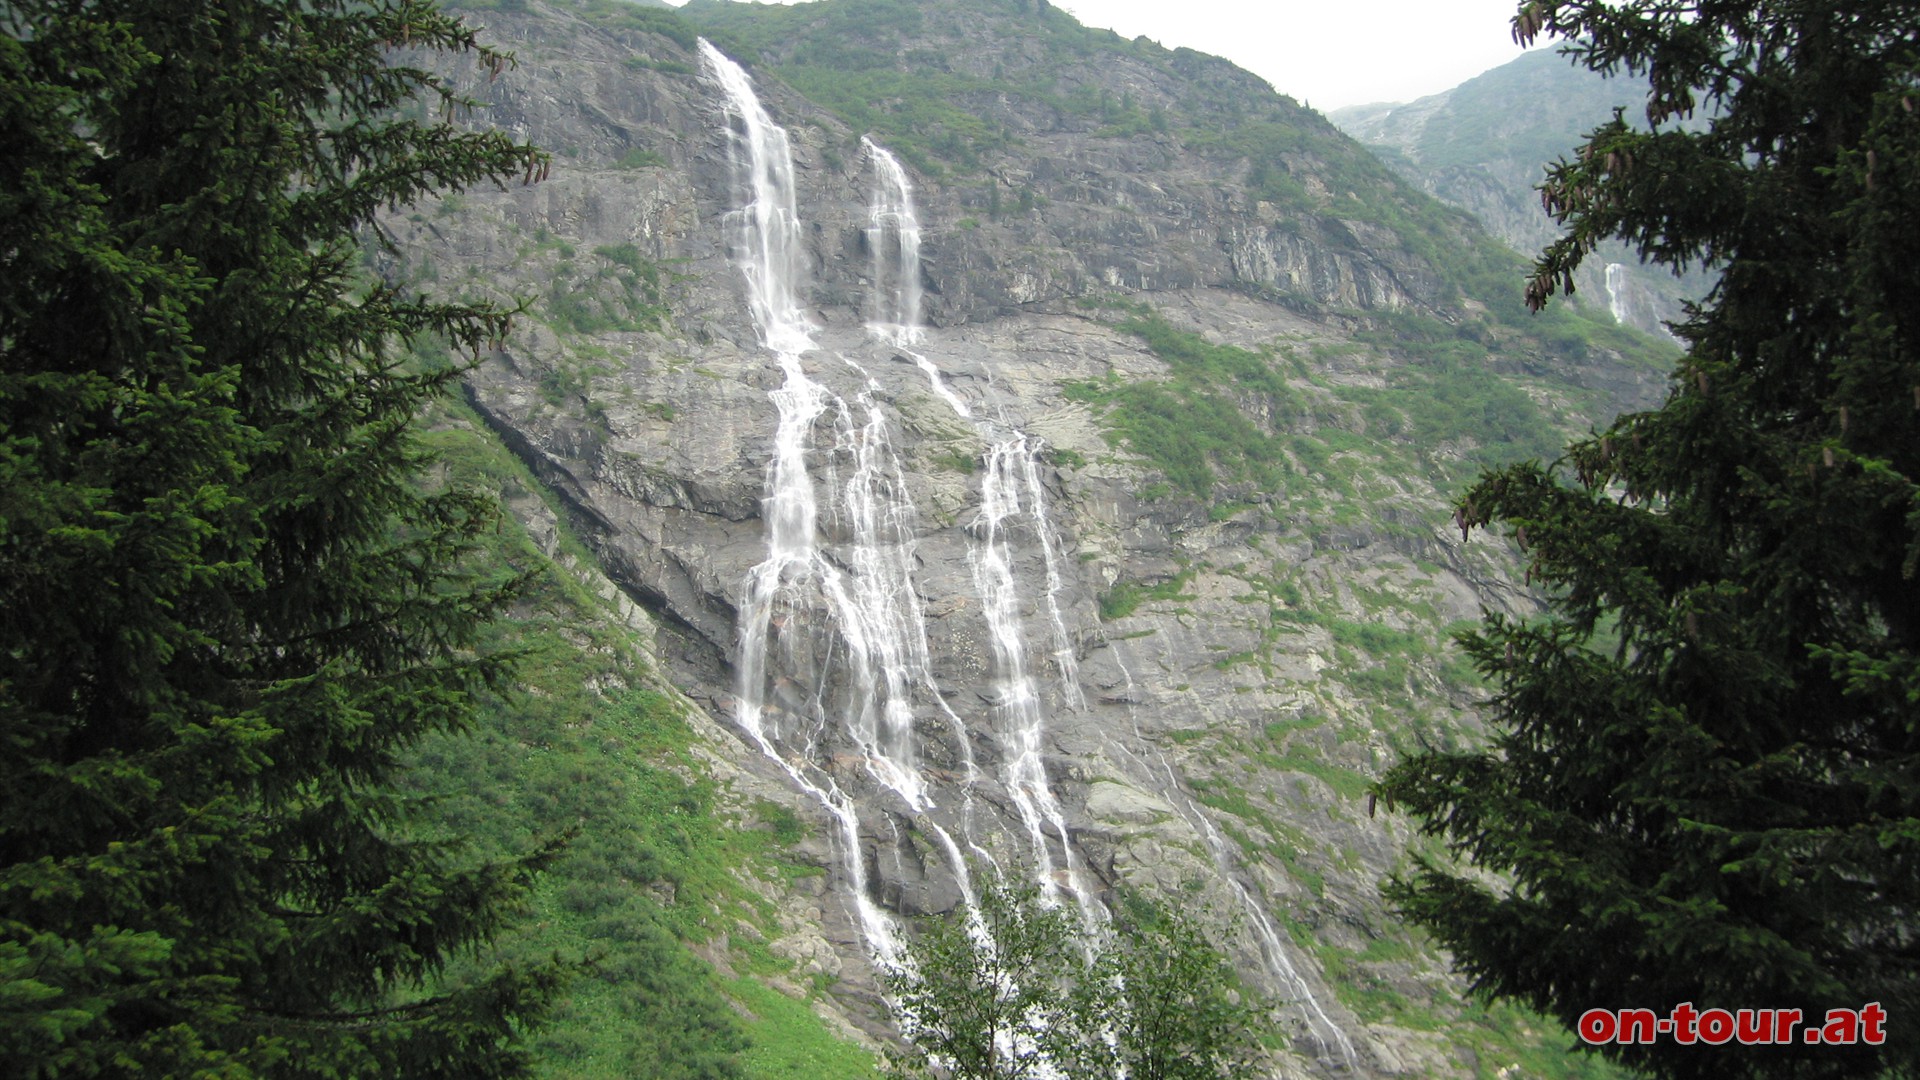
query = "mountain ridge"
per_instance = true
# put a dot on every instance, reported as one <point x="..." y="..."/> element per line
<point x="1484" y="146"/>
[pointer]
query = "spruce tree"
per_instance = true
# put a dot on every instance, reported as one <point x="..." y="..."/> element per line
<point x="227" y="603"/>
<point x="1703" y="786"/>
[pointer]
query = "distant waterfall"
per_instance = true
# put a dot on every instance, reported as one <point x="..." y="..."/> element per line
<point x="844" y="617"/>
<point x="1011" y="472"/>
<point x="1617" y="291"/>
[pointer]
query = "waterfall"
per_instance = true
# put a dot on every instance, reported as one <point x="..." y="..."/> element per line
<point x="1617" y="291"/>
<point x="893" y="235"/>
<point x="835" y="680"/>
<point x="764" y="237"/>
<point x="846" y="615"/>
<point x="1064" y="659"/>
<point x="1022" y="716"/>
<point x="1335" y="1050"/>
<point x="878" y="609"/>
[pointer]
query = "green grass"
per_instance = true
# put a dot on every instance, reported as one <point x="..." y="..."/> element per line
<point x="1194" y="426"/>
<point x="1126" y="596"/>
<point x="658" y="861"/>
<point x="788" y="1042"/>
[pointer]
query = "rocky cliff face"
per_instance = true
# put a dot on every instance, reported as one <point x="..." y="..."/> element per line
<point x="928" y="590"/>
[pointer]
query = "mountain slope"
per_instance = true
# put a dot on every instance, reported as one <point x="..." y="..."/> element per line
<point x="1128" y="570"/>
<point x="1484" y="145"/>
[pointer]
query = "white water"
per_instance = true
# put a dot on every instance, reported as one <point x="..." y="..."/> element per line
<point x="765" y="239"/>
<point x="1272" y="950"/>
<point x="1617" y="291"/>
<point x="940" y="386"/>
<point x="878" y="608"/>
<point x="845" y="615"/>
<point x="1064" y="658"/>
<point x="1011" y="463"/>
<point x="1020" y="713"/>
<point x="893" y="236"/>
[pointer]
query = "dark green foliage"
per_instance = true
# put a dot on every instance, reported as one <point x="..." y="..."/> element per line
<point x="1706" y="782"/>
<point x="991" y="1004"/>
<point x="635" y="886"/>
<point x="228" y="606"/>
<point x="1017" y="994"/>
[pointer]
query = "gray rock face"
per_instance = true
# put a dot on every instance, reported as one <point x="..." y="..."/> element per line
<point x="1211" y="740"/>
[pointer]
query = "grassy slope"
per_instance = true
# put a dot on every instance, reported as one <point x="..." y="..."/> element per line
<point x="663" y="862"/>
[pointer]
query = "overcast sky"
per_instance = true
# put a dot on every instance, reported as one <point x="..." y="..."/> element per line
<point x="1328" y="53"/>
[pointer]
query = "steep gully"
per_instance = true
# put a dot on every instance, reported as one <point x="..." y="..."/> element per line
<point x="834" y="676"/>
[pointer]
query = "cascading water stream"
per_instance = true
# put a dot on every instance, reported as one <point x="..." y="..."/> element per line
<point x="878" y="610"/>
<point x="871" y="672"/>
<point x="893" y="235"/>
<point x="1617" y="291"/>
<point x="1022" y="717"/>
<point x="765" y="238"/>
<point x="940" y="386"/>
<point x="1332" y="1040"/>
<point x="1063" y="654"/>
